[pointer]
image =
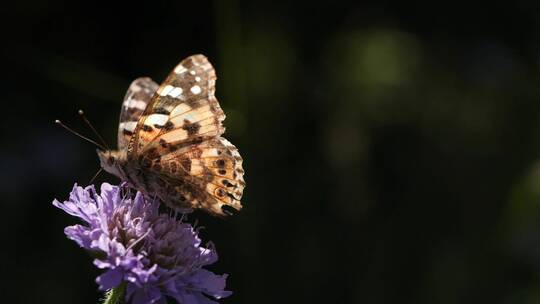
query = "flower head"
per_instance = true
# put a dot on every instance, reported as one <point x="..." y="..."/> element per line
<point x="153" y="253"/>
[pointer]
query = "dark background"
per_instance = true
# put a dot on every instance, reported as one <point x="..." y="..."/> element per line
<point x="391" y="150"/>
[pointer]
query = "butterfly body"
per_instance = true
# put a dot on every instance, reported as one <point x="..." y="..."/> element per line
<point x="170" y="145"/>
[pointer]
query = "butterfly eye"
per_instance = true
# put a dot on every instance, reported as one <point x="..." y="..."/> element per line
<point x="111" y="160"/>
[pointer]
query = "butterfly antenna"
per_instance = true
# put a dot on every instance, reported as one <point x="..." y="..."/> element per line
<point x="95" y="175"/>
<point x="58" y="122"/>
<point x="81" y="113"/>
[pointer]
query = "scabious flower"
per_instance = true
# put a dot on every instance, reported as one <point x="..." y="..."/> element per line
<point x="153" y="254"/>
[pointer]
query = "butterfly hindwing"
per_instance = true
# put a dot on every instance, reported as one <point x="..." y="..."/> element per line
<point x="184" y="108"/>
<point x="137" y="97"/>
<point x="205" y="175"/>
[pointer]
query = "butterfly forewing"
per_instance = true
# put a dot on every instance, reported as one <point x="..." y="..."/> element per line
<point x="184" y="108"/>
<point x="137" y="97"/>
<point x="177" y="143"/>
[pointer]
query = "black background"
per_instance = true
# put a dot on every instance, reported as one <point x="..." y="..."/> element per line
<point x="391" y="149"/>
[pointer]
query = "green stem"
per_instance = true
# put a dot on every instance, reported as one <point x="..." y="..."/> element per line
<point x="115" y="295"/>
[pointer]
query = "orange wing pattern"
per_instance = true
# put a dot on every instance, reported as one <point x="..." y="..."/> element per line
<point x="178" y="148"/>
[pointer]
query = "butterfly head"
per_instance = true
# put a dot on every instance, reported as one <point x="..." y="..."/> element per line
<point x="112" y="161"/>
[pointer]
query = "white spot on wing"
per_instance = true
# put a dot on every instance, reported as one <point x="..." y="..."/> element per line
<point x="197" y="79"/>
<point x="175" y="92"/>
<point x="156" y="119"/>
<point x="134" y="103"/>
<point x="195" y="89"/>
<point x="180" y="69"/>
<point x="135" y="88"/>
<point x="165" y="90"/>
<point x="196" y="167"/>
<point x="129" y="125"/>
<point x="192" y="72"/>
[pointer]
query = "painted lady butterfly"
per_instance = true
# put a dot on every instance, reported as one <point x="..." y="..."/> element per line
<point x="169" y="142"/>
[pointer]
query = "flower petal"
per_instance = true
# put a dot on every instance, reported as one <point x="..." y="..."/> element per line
<point x="110" y="279"/>
<point x="150" y="294"/>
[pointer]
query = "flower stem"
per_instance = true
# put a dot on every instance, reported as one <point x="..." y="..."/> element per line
<point x="115" y="295"/>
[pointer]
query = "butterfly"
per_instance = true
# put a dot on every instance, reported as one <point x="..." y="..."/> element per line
<point x="170" y="144"/>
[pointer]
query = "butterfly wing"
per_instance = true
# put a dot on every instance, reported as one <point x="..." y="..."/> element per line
<point x="178" y="145"/>
<point x="183" y="110"/>
<point x="137" y="97"/>
<point x="206" y="175"/>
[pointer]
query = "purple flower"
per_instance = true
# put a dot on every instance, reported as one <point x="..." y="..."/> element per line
<point x="154" y="254"/>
